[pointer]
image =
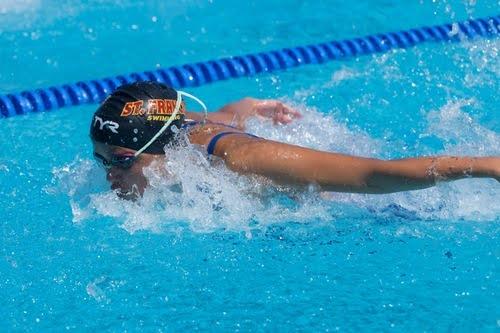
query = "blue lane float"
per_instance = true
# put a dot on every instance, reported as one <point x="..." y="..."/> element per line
<point x="191" y="75"/>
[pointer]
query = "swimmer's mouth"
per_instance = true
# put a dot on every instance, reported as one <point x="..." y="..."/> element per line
<point x="127" y="196"/>
<point x="131" y="194"/>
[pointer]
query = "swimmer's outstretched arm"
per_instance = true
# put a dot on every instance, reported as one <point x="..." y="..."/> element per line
<point x="294" y="165"/>
<point x="236" y="114"/>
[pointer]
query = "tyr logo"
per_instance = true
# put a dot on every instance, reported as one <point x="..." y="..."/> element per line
<point x="111" y="125"/>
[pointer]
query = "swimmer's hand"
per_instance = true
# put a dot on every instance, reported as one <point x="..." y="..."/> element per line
<point x="275" y="110"/>
<point x="237" y="113"/>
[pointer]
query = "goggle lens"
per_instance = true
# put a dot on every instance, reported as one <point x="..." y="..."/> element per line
<point x="117" y="160"/>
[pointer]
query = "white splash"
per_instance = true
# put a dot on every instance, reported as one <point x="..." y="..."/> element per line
<point x="319" y="131"/>
<point x="483" y="65"/>
<point x="460" y="132"/>
<point x="471" y="199"/>
<point x="19" y="6"/>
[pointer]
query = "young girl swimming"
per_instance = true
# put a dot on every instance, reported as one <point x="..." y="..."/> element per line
<point x="132" y="126"/>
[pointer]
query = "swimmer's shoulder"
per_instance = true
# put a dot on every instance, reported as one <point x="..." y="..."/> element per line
<point x="202" y="132"/>
<point x="210" y="120"/>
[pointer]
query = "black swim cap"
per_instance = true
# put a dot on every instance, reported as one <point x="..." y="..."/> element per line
<point x="134" y="113"/>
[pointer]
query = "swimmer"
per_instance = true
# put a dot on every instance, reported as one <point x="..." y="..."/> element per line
<point x="131" y="128"/>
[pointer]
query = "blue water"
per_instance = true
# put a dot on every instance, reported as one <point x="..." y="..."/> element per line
<point x="240" y="255"/>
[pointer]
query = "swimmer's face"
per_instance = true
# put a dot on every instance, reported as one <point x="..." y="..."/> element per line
<point x="130" y="182"/>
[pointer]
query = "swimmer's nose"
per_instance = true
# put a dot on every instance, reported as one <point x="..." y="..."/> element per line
<point x="109" y="176"/>
<point x="112" y="175"/>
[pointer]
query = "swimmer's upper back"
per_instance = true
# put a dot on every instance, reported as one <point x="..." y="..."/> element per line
<point x="209" y="133"/>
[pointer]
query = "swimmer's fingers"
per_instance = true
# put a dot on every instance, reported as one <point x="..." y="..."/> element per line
<point x="285" y="114"/>
<point x="279" y="112"/>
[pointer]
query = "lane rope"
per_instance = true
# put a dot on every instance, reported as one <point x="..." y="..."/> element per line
<point x="200" y="73"/>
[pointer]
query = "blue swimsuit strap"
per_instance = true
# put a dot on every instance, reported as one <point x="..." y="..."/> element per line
<point x="213" y="141"/>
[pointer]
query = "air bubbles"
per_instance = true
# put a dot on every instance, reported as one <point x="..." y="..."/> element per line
<point x="134" y="139"/>
<point x="35" y="35"/>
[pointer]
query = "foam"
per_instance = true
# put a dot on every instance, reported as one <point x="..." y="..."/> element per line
<point x="471" y="199"/>
<point x="19" y="6"/>
<point x="483" y="67"/>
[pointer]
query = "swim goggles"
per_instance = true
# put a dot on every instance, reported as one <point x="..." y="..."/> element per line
<point x="122" y="161"/>
<point x="125" y="161"/>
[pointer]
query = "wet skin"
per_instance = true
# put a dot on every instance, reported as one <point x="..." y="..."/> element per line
<point x="129" y="183"/>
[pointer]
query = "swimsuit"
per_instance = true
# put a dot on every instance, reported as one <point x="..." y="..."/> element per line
<point x="213" y="141"/>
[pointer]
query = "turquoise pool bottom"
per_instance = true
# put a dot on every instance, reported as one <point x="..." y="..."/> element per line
<point x="356" y="274"/>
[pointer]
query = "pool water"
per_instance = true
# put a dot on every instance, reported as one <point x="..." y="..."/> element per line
<point x="228" y="253"/>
